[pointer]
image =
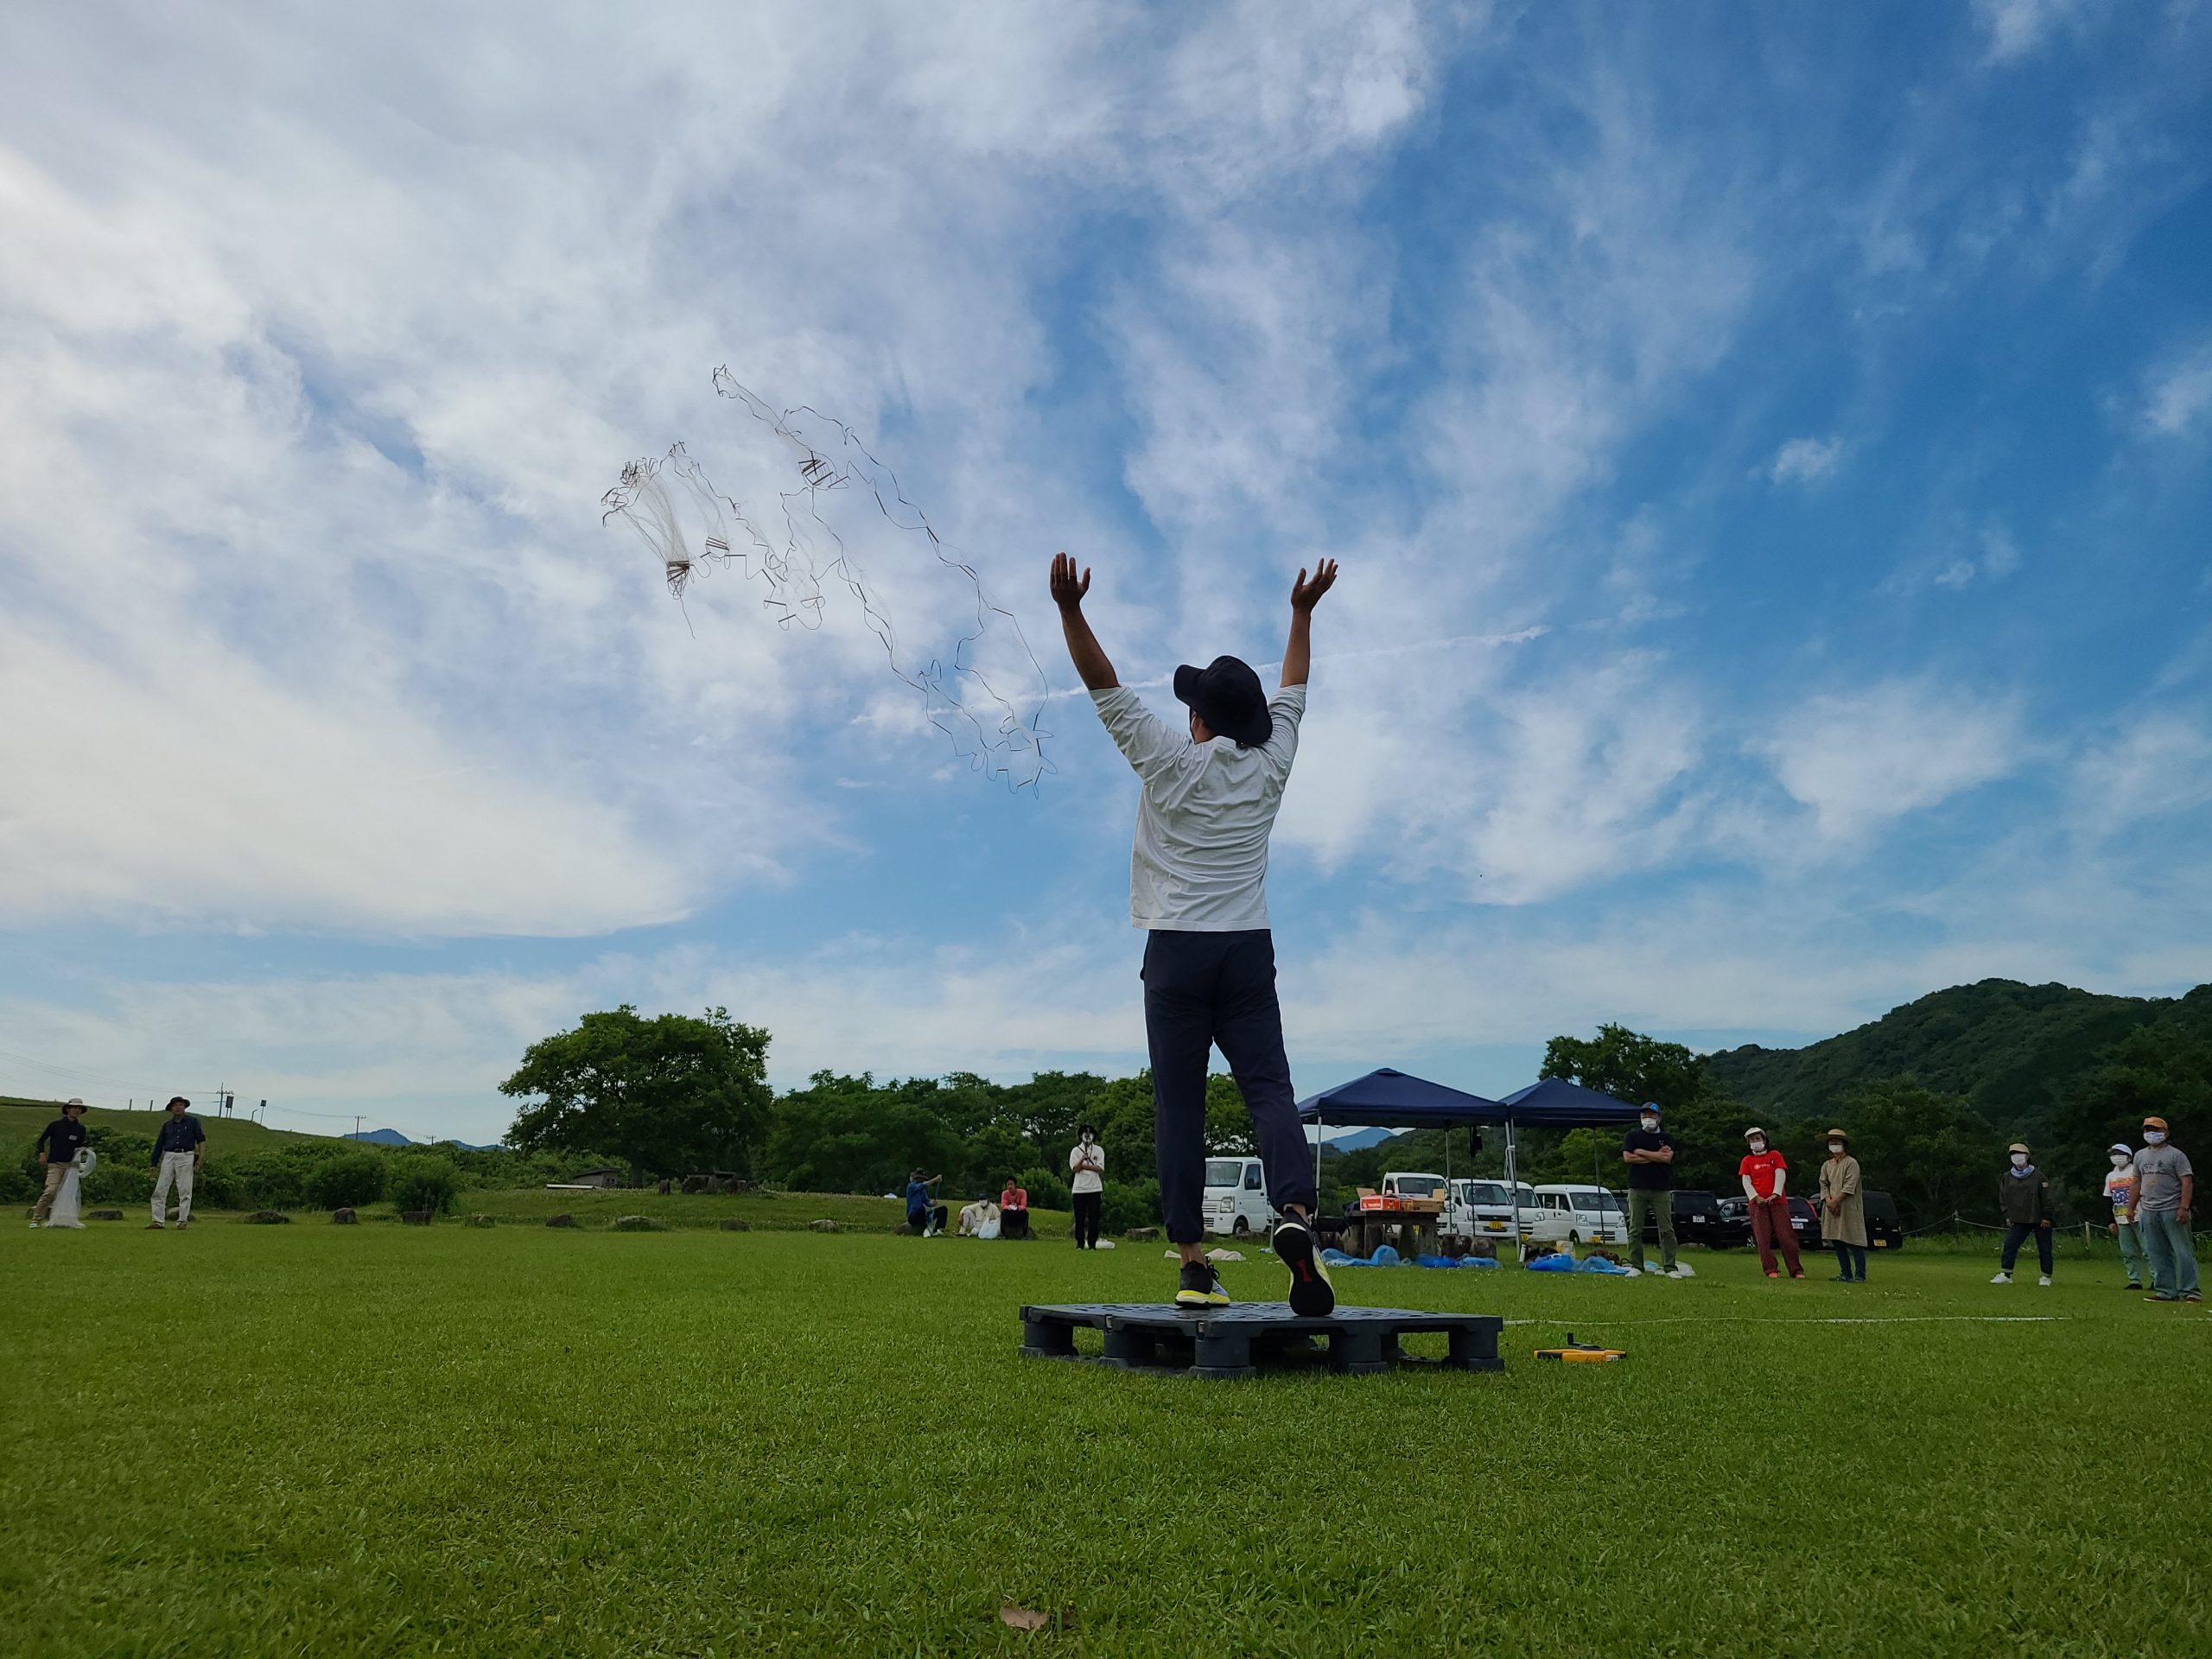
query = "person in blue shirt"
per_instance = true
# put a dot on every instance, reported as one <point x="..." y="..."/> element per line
<point x="923" y="1216"/>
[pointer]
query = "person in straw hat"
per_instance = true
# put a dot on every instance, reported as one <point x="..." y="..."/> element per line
<point x="1843" y="1211"/>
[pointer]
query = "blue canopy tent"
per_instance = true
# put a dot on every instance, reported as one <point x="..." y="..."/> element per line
<point x="1392" y="1099"/>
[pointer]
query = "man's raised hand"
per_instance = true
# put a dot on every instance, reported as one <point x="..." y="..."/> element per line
<point x="1068" y="589"/>
<point x="1304" y="594"/>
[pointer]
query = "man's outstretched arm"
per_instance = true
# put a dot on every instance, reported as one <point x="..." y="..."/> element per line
<point x="1298" y="655"/>
<point x="1068" y="589"/>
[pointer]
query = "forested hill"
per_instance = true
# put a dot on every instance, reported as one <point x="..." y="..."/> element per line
<point x="2013" y="1051"/>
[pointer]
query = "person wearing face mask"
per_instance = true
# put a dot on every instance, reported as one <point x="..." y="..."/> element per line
<point x="2024" y="1195"/>
<point x="1763" y="1173"/>
<point x="2119" y="1192"/>
<point x="1086" y="1186"/>
<point x="2164" y="1187"/>
<point x="1649" y="1156"/>
<point x="1843" y="1211"/>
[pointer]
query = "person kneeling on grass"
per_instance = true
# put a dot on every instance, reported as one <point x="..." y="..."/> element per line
<point x="1198" y="884"/>
<point x="1765" y="1173"/>
<point x="925" y="1217"/>
<point x="2024" y="1196"/>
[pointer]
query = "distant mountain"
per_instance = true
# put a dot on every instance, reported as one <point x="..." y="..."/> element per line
<point x="380" y="1137"/>
<point x="1358" y="1140"/>
<point x="467" y="1146"/>
<point x="2012" y="1050"/>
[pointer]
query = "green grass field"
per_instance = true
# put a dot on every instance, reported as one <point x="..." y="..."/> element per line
<point x="382" y="1440"/>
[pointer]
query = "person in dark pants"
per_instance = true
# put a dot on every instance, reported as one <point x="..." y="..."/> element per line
<point x="1013" y="1210"/>
<point x="924" y="1215"/>
<point x="1086" y="1186"/>
<point x="1198" y="884"/>
<point x="1650" y="1156"/>
<point x="2024" y="1196"/>
<point x="58" y="1143"/>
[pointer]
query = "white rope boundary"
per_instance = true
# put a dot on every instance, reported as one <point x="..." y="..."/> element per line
<point x="1754" y="1318"/>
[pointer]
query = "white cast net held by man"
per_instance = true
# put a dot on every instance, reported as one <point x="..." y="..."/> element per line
<point x="826" y="532"/>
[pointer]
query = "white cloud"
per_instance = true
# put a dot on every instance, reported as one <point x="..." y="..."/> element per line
<point x="2178" y="393"/>
<point x="2159" y="763"/>
<point x="1861" y="759"/>
<point x="1805" y="461"/>
<point x="2017" y="28"/>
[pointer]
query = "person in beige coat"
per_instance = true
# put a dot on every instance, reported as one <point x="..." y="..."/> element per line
<point x="1843" y="1211"/>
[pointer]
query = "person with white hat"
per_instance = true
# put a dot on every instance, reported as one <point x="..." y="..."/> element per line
<point x="1763" y="1172"/>
<point x="2024" y="1196"/>
<point x="2119" y="1192"/>
<point x="2165" y="1186"/>
<point x="58" y="1143"/>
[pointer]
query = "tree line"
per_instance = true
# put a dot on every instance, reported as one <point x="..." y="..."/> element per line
<point x="676" y="1094"/>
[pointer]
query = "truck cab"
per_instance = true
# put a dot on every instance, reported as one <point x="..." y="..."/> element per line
<point x="1235" y="1200"/>
<point x="1475" y="1208"/>
<point x="1406" y="1190"/>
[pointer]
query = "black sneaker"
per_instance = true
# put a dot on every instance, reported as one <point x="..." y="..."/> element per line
<point x="1313" y="1296"/>
<point x="1201" y="1287"/>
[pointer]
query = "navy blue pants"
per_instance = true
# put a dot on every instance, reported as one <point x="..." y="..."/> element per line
<point x="1201" y="990"/>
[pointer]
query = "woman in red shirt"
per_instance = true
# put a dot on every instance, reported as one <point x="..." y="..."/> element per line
<point x="1763" y="1173"/>
<point x="1013" y="1210"/>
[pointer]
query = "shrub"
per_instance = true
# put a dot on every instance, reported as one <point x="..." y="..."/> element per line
<point x="421" y="1182"/>
<point x="347" y="1181"/>
<point x="1046" y="1191"/>
<point x="120" y="1183"/>
<point x="21" y="1179"/>
<point x="267" y="1183"/>
<point x="1129" y="1203"/>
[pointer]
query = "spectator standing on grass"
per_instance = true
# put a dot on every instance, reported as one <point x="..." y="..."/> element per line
<point x="1765" y="1173"/>
<point x="923" y="1215"/>
<point x="1843" y="1210"/>
<point x="1650" y="1156"/>
<point x="1086" y="1186"/>
<point x="2024" y="1196"/>
<point x="1013" y="1210"/>
<point x="1197" y="885"/>
<point x="2166" y="1189"/>
<point x="2119" y="1192"/>
<point x="58" y="1143"/>
<point x="179" y="1151"/>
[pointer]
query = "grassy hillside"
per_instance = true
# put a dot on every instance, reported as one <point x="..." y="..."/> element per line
<point x="24" y="1119"/>
<point x="2012" y="1051"/>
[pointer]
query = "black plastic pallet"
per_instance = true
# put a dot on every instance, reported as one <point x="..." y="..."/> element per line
<point x="1251" y="1337"/>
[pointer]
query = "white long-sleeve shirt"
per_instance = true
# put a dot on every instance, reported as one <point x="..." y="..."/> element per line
<point x="1200" y="861"/>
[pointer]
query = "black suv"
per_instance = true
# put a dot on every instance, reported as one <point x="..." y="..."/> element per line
<point x="1699" y="1219"/>
<point x="1883" y="1231"/>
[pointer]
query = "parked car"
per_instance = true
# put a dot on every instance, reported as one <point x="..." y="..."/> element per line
<point x="1736" y="1208"/>
<point x="1575" y="1214"/>
<point x="1699" y="1218"/>
<point x="1805" y="1222"/>
<point x="1483" y="1208"/>
<point x="1236" y="1200"/>
<point x="1885" y="1231"/>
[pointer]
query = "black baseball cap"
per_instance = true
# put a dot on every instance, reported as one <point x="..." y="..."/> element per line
<point x="1226" y="694"/>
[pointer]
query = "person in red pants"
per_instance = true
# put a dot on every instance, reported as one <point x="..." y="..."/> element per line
<point x="1763" y="1172"/>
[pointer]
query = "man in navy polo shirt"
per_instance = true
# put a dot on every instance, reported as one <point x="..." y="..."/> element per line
<point x="59" y="1143"/>
<point x="179" y="1150"/>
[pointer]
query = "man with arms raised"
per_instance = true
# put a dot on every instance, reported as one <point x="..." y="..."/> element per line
<point x="1198" y="884"/>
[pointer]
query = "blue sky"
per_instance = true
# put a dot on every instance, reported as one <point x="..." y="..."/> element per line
<point x="1767" y="451"/>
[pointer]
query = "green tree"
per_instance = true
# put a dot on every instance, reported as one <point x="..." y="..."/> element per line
<point x="848" y="1134"/>
<point x="419" y="1181"/>
<point x="2163" y="1070"/>
<point x="667" y="1096"/>
<point x="1933" y="1153"/>
<point x="347" y="1181"/>
<point x="1706" y="1126"/>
